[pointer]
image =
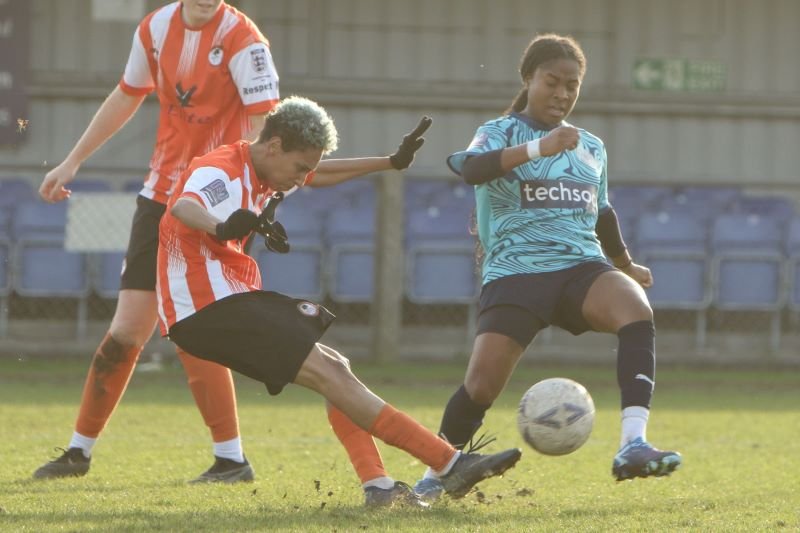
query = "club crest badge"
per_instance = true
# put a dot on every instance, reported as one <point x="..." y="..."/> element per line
<point x="215" y="56"/>
<point x="308" y="309"/>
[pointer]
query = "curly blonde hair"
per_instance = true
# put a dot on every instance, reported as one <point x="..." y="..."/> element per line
<point x="301" y="124"/>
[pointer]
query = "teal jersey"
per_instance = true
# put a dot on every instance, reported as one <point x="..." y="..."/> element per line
<point x="541" y="216"/>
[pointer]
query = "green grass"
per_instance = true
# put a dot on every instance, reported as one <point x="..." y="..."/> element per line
<point x="737" y="429"/>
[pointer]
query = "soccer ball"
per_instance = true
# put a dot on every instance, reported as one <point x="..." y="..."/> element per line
<point x="555" y="416"/>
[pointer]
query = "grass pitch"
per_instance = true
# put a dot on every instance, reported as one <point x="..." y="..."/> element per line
<point x="737" y="430"/>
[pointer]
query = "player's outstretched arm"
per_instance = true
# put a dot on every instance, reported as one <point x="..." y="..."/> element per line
<point x="333" y="171"/>
<point x="117" y="109"/>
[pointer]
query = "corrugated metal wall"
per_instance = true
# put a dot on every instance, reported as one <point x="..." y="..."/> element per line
<point x="377" y="65"/>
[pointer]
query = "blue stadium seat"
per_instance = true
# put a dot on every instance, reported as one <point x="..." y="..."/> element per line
<point x="748" y="268"/>
<point x="43" y="269"/>
<point x="134" y="185"/>
<point x="433" y="222"/>
<point x="350" y="236"/>
<point x="14" y="191"/>
<point x="751" y="232"/>
<point x="37" y="219"/>
<point x="5" y="284"/>
<point x="6" y="217"/>
<point x="300" y="272"/>
<point x="631" y="201"/>
<point x="777" y="207"/>
<point x="86" y="185"/>
<point x="108" y="268"/>
<point x="421" y="193"/>
<point x="793" y="252"/>
<point x="441" y="273"/>
<point x="319" y="201"/>
<point x="700" y="202"/>
<point x="673" y="246"/>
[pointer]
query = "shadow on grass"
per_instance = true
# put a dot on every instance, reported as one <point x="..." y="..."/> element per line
<point x="450" y="517"/>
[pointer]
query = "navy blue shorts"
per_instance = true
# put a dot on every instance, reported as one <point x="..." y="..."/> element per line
<point x="139" y="268"/>
<point x="549" y="298"/>
<point x="264" y="335"/>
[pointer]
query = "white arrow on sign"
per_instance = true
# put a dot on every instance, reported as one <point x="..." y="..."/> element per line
<point x="646" y="75"/>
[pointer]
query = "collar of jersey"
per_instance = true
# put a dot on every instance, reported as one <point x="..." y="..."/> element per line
<point x="213" y="21"/>
<point x="535" y="124"/>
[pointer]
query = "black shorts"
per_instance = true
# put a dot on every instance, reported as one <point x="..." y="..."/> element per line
<point x="263" y="335"/>
<point x="139" y="268"/>
<point x="551" y="297"/>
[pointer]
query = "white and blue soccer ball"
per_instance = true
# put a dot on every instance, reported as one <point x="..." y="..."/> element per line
<point x="556" y="416"/>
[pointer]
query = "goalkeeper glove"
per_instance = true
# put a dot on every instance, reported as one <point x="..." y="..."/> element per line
<point x="239" y="225"/>
<point x="412" y="142"/>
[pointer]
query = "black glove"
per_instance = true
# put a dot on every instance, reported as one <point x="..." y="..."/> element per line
<point x="275" y="238"/>
<point x="239" y="225"/>
<point x="412" y="142"/>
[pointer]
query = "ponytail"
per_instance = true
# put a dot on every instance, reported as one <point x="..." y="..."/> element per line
<point x="519" y="103"/>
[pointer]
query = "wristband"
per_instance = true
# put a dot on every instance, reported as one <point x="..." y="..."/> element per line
<point x="533" y="149"/>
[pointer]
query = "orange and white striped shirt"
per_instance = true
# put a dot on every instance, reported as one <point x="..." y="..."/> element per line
<point x="209" y="80"/>
<point x="194" y="268"/>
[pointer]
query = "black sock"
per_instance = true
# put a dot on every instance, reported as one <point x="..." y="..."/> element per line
<point x="462" y="418"/>
<point x="636" y="363"/>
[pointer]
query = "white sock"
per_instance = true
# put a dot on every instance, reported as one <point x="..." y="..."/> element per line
<point x="429" y="474"/>
<point x="230" y="449"/>
<point x="83" y="442"/>
<point x="634" y="424"/>
<point x="443" y="472"/>
<point x="383" y="482"/>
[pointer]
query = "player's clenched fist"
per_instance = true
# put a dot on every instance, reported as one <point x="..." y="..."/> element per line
<point x="239" y="225"/>
<point x="560" y="139"/>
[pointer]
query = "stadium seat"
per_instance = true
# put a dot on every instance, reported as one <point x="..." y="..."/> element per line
<point x="631" y="201"/>
<point x="748" y="266"/>
<point x="14" y="191"/>
<point x="701" y="202"/>
<point x="673" y="246"/>
<point x="106" y="278"/>
<point x="421" y="193"/>
<point x="5" y="284"/>
<point x="300" y="272"/>
<point x="793" y="252"/>
<point x="134" y="185"/>
<point x="43" y="269"/>
<point x="320" y="201"/>
<point x="435" y="223"/>
<point x="36" y="219"/>
<point x="86" y="185"/>
<point x="349" y="234"/>
<point x="777" y="207"/>
<point x="441" y="273"/>
<point x="6" y="216"/>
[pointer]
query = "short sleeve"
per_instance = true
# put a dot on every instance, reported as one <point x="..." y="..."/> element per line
<point x="137" y="79"/>
<point x="488" y="137"/>
<point x="256" y="78"/>
<point x="215" y="190"/>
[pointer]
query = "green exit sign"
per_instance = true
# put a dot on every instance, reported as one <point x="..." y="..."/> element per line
<point x="679" y="75"/>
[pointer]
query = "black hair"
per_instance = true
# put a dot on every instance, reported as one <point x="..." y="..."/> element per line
<point x="544" y="48"/>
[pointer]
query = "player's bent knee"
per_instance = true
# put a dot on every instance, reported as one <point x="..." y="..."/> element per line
<point x="481" y="390"/>
<point x="324" y="370"/>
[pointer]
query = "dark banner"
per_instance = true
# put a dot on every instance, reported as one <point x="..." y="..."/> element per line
<point x="14" y="42"/>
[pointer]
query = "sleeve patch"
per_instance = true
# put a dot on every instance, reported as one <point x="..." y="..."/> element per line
<point x="258" y="58"/>
<point x="216" y="192"/>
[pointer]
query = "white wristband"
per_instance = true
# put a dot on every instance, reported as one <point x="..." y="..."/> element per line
<point x="533" y="149"/>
